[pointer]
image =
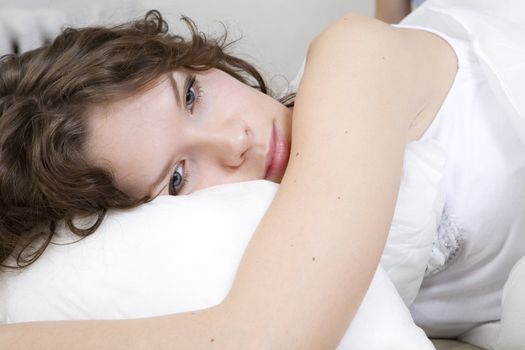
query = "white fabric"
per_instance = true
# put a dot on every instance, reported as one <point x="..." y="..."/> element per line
<point x="418" y="209"/>
<point x="482" y="336"/>
<point x="178" y="254"/>
<point x="506" y="334"/>
<point x="511" y="335"/>
<point x="383" y="321"/>
<point x="481" y="126"/>
<point x="494" y="31"/>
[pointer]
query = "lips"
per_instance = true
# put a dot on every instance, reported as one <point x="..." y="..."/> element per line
<point x="277" y="157"/>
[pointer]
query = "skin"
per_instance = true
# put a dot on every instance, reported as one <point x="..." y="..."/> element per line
<point x="362" y="110"/>
<point x="214" y="140"/>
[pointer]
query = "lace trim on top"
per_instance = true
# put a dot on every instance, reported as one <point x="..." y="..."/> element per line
<point x="447" y="245"/>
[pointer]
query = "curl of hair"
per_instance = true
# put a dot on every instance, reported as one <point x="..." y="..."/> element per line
<point x="44" y="97"/>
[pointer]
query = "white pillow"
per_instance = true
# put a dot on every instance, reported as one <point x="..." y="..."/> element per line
<point x="419" y="206"/>
<point x="181" y="253"/>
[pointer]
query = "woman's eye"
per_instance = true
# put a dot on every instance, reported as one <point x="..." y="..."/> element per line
<point x="192" y="93"/>
<point x="177" y="180"/>
<point x="190" y="98"/>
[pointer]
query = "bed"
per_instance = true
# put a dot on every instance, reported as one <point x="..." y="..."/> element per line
<point x="27" y="24"/>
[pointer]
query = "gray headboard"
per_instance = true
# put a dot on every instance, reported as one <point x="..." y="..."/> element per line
<point x="275" y="33"/>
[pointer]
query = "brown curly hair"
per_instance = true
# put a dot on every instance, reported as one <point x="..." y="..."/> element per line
<point x="44" y="96"/>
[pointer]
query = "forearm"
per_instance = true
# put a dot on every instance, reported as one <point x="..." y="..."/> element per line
<point x="317" y="247"/>
<point x="193" y="330"/>
<point x="73" y="335"/>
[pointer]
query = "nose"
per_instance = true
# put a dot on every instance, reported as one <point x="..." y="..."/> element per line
<point x="226" y="144"/>
<point x="232" y="148"/>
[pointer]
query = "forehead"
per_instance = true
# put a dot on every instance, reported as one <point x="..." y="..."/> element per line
<point x="127" y="136"/>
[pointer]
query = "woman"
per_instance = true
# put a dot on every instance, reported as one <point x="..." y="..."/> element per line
<point x="362" y="110"/>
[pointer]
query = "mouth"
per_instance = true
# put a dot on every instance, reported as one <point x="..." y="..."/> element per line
<point x="277" y="156"/>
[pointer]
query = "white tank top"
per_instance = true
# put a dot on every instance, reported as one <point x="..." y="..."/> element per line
<point x="482" y="232"/>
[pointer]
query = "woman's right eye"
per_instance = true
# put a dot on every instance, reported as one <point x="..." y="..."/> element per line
<point x="193" y="93"/>
<point x="177" y="180"/>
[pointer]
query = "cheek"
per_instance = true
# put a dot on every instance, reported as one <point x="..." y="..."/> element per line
<point x="253" y="103"/>
<point x="226" y="97"/>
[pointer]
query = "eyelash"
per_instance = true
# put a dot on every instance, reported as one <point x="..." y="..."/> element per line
<point x="192" y="83"/>
<point x="185" y="176"/>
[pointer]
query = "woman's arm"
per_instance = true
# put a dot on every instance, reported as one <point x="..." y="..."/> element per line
<point x="316" y="250"/>
<point x="313" y="255"/>
<point x="392" y="11"/>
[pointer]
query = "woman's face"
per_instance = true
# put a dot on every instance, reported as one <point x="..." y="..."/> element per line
<point x="192" y="130"/>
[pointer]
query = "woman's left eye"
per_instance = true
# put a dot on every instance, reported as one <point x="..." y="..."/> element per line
<point x="178" y="179"/>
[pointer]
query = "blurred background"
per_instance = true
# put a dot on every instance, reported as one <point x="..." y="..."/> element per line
<point x="275" y="33"/>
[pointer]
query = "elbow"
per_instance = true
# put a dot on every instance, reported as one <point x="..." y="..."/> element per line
<point x="250" y="328"/>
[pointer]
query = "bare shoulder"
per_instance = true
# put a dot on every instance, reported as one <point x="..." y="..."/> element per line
<point x="355" y="21"/>
<point x="407" y="67"/>
<point x="356" y="29"/>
